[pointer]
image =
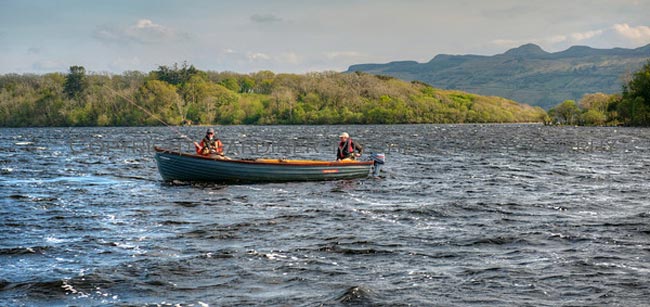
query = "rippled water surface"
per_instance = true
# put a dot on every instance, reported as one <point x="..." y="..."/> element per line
<point x="463" y="215"/>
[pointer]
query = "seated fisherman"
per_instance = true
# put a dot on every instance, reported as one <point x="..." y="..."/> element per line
<point x="210" y="145"/>
<point x="348" y="149"/>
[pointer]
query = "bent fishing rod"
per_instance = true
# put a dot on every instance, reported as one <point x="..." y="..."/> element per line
<point x="143" y="109"/>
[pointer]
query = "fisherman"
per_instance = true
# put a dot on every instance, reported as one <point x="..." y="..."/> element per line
<point x="210" y="145"/>
<point x="347" y="149"/>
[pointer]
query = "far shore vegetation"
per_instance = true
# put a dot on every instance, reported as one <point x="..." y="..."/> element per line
<point x="185" y="95"/>
<point x="629" y="108"/>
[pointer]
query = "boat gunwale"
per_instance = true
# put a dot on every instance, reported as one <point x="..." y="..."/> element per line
<point x="314" y="163"/>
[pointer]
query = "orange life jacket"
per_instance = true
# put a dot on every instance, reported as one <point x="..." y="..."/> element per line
<point x="214" y="146"/>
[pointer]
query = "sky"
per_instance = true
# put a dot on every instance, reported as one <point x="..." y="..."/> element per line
<point x="41" y="36"/>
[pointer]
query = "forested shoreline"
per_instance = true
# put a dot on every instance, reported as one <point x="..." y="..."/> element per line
<point x="631" y="107"/>
<point x="182" y="94"/>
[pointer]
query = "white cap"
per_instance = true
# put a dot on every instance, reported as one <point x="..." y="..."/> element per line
<point x="344" y="135"/>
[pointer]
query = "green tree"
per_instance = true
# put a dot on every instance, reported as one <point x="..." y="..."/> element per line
<point x="50" y="102"/>
<point x="263" y="82"/>
<point x="635" y="105"/>
<point x="204" y="99"/>
<point x="594" y="117"/>
<point x="633" y="111"/>
<point x="596" y="101"/>
<point x="176" y="75"/>
<point x="159" y="101"/>
<point x="595" y="108"/>
<point x="75" y="82"/>
<point x="283" y="100"/>
<point x="231" y="84"/>
<point x="246" y="84"/>
<point x="566" y="113"/>
<point x="639" y="86"/>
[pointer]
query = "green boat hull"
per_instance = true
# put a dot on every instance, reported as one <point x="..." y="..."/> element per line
<point x="190" y="167"/>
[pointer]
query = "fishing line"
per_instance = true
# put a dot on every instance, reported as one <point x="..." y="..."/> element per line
<point x="173" y="128"/>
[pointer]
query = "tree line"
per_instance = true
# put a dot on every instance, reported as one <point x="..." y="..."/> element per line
<point x="182" y="94"/>
<point x="631" y="107"/>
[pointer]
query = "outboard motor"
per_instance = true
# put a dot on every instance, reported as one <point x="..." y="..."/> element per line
<point x="379" y="159"/>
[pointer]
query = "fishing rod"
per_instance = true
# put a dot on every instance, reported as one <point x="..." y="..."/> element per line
<point x="173" y="128"/>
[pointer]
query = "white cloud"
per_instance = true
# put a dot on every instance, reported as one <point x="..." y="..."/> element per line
<point x="618" y="35"/>
<point x="147" y="31"/>
<point x="289" y="58"/>
<point x="34" y="50"/>
<point x="265" y="18"/>
<point x="49" y="65"/>
<point x="570" y="39"/>
<point x="123" y="64"/>
<point x="506" y="43"/>
<point x="108" y="34"/>
<point x="144" y="31"/>
<point x="581" y="36"/>
<point x="283" y="58"/>
<point x="306" y="35"/>
<point x="639" y="35"/>
<point x="258" y="56"/>
<point x="556" y="39"/>
<point x="344" y="54"/>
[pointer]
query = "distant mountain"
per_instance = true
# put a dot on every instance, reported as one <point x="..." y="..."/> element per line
<point x="525" y="74"/>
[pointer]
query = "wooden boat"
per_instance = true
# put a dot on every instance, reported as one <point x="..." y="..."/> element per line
<point x="174" y="165"/>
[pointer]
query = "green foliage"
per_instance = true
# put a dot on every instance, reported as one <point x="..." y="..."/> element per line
<point x="566" y="113"/>
<point x="246" y="84"/>
<point x="177" y="95"/>
<point x="594" y="117"/>
<point x="635" y="103"/>
<point x="631" y="108"/>
<point x="231" y="84"/>
<point x="162" y="102"/>
<point x="75" y="82"/>
<point x="176" y="75"/>
<point x="633" y="111"/>
<point x="639" y="86"/>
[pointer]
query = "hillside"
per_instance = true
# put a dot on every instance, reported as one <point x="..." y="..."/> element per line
<point x="525" y="74"/>
<point x="187" y="95"/>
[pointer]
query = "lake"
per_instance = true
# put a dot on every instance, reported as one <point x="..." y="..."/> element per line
<point x="463" y="215"/>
